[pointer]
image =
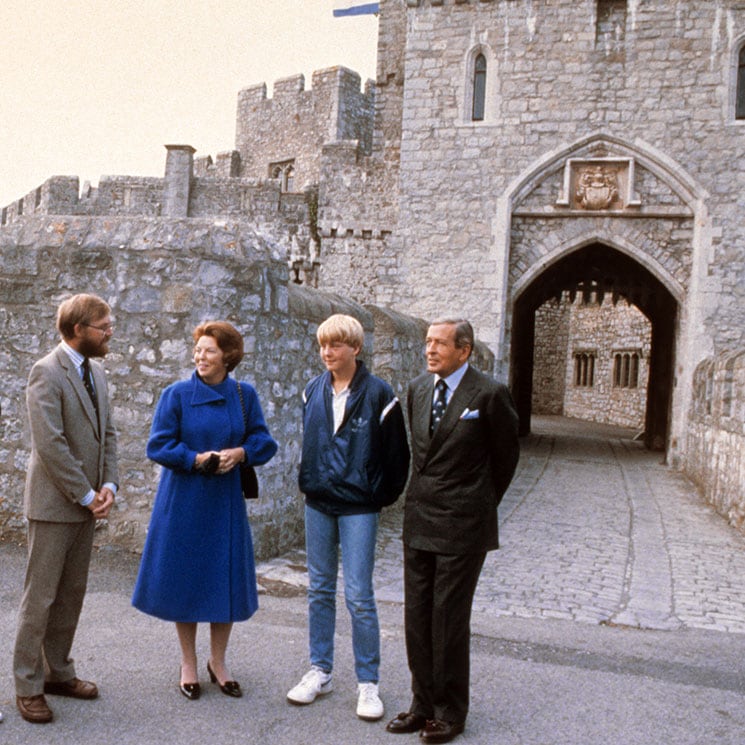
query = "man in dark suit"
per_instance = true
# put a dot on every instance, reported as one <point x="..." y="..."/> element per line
<point x="71" y="482"/>
<point x="465" y="451"/>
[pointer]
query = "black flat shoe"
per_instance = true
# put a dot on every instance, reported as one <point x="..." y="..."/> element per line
<point x="192" y="691"/>
<point x="229" y="687"/>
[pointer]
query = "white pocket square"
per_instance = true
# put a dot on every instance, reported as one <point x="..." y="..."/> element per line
<point x="468" y="414"/>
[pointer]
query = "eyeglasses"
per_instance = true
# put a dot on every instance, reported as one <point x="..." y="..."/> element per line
<point x="107" y="329"/>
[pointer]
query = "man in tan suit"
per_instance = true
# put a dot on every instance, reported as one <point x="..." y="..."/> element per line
<point x="71" y="482"/>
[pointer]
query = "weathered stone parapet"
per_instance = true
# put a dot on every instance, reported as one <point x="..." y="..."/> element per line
<point x="286" y="132"/>
<point x="715" y="452"/>
<point x="226" y="164"/>
<point x="56" y="195"/>
<point x="162" y="277"/>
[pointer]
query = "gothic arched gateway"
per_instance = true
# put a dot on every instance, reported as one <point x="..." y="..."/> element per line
<point x="604" y="217"/>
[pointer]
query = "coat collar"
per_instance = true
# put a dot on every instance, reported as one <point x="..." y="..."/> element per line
<point x="207" y="394"/>
<point x="360" y="374"/>
<point x="73" y="375"/>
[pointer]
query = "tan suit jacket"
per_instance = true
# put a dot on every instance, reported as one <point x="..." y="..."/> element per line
<point x="72" y="449"/>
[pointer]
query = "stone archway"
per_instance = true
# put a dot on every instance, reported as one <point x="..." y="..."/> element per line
<point x="599" y="269"/>
<point x="638" y="221"/>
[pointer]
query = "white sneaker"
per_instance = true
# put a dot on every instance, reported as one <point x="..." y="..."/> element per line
<point x="369" y="705"/>
<point x="314" y="683"/>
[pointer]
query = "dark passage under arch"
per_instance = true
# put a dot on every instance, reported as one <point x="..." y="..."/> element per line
<point x="599" y="270"/>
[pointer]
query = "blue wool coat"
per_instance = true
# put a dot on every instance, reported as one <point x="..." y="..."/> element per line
<point x="197" y="563"/>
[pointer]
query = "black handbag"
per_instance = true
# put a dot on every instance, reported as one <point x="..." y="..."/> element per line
<point x="249" y="482"/>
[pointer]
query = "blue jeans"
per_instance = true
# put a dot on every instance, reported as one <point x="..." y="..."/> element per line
<point x="355" y="534"/>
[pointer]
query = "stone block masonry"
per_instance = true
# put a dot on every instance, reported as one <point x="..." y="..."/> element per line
<point x="292" y="127"/>
<point x="716" y="434"/>
<point x="162" y="277"/>
<point x="602" y="333"/>
<point x="605" y="157"/>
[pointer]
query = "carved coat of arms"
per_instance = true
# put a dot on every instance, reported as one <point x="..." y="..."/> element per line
<point x="597" y="188"/>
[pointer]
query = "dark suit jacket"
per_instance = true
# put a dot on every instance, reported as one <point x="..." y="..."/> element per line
<point x="72" y="450"/>
<point x="459" y="475"/>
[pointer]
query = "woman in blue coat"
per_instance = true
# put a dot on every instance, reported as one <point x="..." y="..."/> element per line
<point x="198" y="563"/>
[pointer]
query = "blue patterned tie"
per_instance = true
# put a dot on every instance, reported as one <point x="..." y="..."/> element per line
<point x="438" y="405"/>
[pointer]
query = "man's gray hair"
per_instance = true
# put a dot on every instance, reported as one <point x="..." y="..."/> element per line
<point x="463" y="330"/>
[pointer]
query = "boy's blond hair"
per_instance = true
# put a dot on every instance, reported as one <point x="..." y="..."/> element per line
<point x="341" y="328"/>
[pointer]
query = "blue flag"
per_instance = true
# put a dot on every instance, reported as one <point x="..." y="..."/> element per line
<point x="359" y="10"/>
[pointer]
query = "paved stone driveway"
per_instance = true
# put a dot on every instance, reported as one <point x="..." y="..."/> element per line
<point x="596" y="530"/>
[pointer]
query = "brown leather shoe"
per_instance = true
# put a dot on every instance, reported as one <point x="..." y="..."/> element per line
<point x="406" y="722"/>
<point x="436" y="730"/>
<point x="34" y="709"/>
<point x="74" y="688"/>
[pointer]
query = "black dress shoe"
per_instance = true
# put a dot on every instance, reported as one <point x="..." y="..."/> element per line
<point x="437" y="730"/>
<point x="192" y="691"/>
<point x="406" y="722"/>
<point x="229" y="687"/>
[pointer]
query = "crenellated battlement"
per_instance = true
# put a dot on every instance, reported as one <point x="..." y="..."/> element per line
<point x="180" y="193"/>
<point x="282" y="136"/>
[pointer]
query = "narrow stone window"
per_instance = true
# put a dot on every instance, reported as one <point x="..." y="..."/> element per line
<point x="479" y="88"/>
<point x="584" y="369"/>
<point x="709" y="394"/>
<point x="610" y="29"/>
<point x="740" y="100"/>
<point x="285" y="173"/>
<point x="626" y="370"/>
<point x="634" y="371"/>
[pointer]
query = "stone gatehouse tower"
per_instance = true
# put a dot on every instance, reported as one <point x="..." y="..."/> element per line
<point x="592" y="147"/>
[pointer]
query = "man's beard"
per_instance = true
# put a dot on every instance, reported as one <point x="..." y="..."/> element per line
<point x="93" y="349"/>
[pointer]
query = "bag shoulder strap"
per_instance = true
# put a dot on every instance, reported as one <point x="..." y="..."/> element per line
<point x="243" y="410"/>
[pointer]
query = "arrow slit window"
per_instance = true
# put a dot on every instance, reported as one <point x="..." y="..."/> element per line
<point x="479" y="88"/>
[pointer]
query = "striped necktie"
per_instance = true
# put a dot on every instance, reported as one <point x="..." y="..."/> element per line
<point x="88" y="382"/>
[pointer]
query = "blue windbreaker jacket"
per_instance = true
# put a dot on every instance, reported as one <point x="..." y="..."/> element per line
<point x="364" y="466"/>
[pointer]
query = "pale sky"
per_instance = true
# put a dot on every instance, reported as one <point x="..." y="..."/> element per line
<point x="93" y="88"/>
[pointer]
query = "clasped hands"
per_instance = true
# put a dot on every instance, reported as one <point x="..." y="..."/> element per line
<point x="228" y="459"/>
<point x="102" y="503"/>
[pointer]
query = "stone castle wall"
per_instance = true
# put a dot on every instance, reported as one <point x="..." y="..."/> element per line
<point x="483" y="206"/>
<point x="286" y="220"/>
<point x="550" y="85"/>
<point x="607" y="330"/>
<point x="551" y="360"/>
<point x="716" y="434"/>
<point x="570" y="328"/>
<point x="294" y="124"/>
<point x="162" y="277"/>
